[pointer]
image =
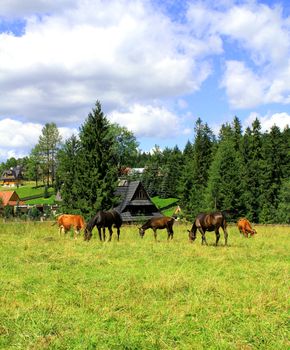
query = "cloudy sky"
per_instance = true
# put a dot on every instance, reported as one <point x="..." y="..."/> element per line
<point x="156" y="66"/>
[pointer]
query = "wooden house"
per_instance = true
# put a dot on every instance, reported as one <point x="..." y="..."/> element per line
<point x="10" y="198"/>
<point x="135" y="203"/>
<point x="12" y="177"/>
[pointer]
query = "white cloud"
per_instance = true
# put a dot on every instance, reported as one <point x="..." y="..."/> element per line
<point x="260" y="29"/>
<point x="119" y="52"/>
<point x="260" y="37"/>
<point x="279" y="119"/>
<point x="19" y="8"/>
<point x="243" y="87"/>
<point x="18" y="138"/>
<point x="132" y="53"/>
<point x="149" y="121"/>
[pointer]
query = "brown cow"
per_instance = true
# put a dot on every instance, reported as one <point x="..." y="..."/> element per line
<point x="67" y="221"/>
<point x="245" y="227"/>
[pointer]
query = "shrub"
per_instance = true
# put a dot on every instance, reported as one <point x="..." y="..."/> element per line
<point x="8" y="212"/>
<point x="34" y="213"/>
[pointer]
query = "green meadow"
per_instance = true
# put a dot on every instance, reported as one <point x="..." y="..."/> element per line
<point x="61" y="293"/>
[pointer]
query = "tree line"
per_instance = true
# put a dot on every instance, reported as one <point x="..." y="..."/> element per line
<point x="248" y="172"/>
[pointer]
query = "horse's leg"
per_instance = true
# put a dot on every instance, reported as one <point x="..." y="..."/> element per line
<point x="76" y="232"/>
<point x="104" y="234"/>
<point x="168" y="233"/>
<point x="171" y="231"/>
<point x="217" y="236"/>
<point x="225" y="235"/>
<point x="111" y="232"/>
<point x="100" y="233"/>
<point x="203" y="240"/>
<point x="118" y="233"/>
<point x="155" y="234"/>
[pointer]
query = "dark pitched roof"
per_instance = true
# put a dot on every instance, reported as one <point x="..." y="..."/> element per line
<point x="127" y="191"/>
<point x="12" y="173"/>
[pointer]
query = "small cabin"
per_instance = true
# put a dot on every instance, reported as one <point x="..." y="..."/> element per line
<point x="10" y="198"/>
<point x="135" y="203"/>
<point x="12" y="177"/>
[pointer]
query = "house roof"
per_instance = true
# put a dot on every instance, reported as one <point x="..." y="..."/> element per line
<point x="10" y="198"/>
<point x="12" y="173"/>
<point x="126" y="191"/>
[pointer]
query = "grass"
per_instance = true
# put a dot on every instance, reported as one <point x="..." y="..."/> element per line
<point x="50" y="200"/>
<point x="27" y="190"/>
<point x="164" y="202"/>
<point x="58" y="293"/>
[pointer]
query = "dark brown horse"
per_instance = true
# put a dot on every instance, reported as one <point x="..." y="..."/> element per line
<point x="102" y="220"/>
<point x="158" y="223"/>
<point x="209" y="222"/>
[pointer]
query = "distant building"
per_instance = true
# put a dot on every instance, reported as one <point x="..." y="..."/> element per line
<point x="12" y="177"/>
<point x="135" y="203"/>
<point x="127" y="171"/>
<point x="10" y="198"/>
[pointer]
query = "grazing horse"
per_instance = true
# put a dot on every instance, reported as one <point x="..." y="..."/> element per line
<point x="102" y="220"/>
<point x="245" y="227"/>
<point x="209" y="222"/>
<point x="158" y="223"/>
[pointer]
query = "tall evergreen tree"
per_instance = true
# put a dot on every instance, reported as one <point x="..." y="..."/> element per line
<point x="225" y="189"/>
<point x="225" y="186"/>
<point x="273" y="154"/>
<point x="252" y="158"/>
<point x="283" y="209"/>
<point x="98" y="169"/>
<point x="152" y="176"/>
<point x="67" y="176"/>
<point x="196" y="169"/>
<point x="171" y="172"/>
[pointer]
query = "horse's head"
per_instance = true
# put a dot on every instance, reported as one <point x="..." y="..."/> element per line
<point x="254" y="232"/>
<point x="141" y="232"/>
<point x="87" y="234"/>
<point x="191" y="235"/>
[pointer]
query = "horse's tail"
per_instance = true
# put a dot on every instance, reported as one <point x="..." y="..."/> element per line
<point x="230" y="212"/>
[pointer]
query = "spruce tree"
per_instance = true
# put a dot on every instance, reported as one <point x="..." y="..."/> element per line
<point x="67" y="176"/>
<point x="252" y="158"/>
<point x="196" y="169"/>
<point x="171" y="172"/>
<point x="225" y="187"/>
<point x="271" y="174"/>
<point x="152" y="176"/>
<point x="283" y="209"/>
<point x="98" y="168"/>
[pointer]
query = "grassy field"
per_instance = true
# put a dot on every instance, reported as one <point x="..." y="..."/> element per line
<point x="58" y="293"/>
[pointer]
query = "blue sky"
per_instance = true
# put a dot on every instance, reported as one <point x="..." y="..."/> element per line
<point x="156" y="66"/>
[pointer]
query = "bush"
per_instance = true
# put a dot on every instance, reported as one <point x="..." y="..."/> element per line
<point x="34" y="213"/>
<point x="45" y="193"/>
<point x="8" y="212"/>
